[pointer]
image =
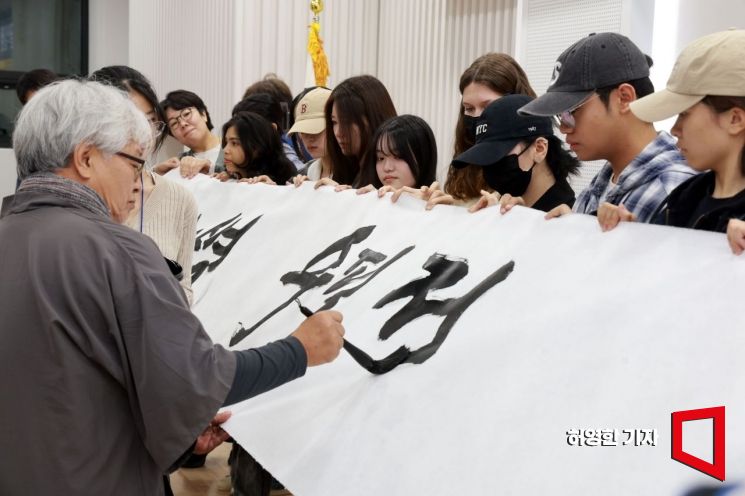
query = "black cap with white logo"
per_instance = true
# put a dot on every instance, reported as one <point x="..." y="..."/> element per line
<point x="596" y="61"/>
<point x="499" y="128"/>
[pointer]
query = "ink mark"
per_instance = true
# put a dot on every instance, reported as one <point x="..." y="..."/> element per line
<point x="444" y="272"/>
<point x="311" y="277"/>
<point x="210" y="239"/>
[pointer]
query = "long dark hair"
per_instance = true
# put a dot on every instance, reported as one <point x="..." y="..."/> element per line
<point x="502" y="74"/>
<point x="262" y="147"/>
<point x="181" y="99"/>
<point x="408" y="138"/>
<point x="128" y="79"/>
<point x="362" y="101"/>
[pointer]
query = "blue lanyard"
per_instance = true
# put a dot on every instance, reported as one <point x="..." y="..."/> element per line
<point x="142" y="199"/>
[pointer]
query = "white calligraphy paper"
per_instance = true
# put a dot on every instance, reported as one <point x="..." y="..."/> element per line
<point x="590" y="330"/>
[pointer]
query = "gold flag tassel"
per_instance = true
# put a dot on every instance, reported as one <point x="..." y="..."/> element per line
<point x="315" y="45"/>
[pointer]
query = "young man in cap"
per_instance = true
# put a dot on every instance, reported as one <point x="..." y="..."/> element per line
<point x="707" y="91"/>
<point x="593" y="83"/>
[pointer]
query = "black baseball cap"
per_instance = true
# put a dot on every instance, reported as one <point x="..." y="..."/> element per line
<point x="596" y="61"/>
<point x="499" y="128"/>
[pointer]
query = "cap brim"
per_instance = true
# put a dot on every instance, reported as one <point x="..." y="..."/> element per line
<point x="662" y="105"/>
<point x="554" y="103"/>
<point x="308" y="126"/>
<point x="485" y="153"/>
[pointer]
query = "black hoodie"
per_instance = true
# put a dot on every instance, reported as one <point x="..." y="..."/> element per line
<point x="681" y="208"/>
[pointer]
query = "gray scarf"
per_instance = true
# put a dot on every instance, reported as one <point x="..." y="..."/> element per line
<point x="77" y="193"/>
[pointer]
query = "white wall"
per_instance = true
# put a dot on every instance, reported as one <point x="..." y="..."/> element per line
<point x="697" y="18"/>
<point x="187" y="44"/>
<point x="108" y="35"/>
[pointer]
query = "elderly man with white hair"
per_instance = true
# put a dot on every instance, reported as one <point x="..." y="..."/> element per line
<point x="106" y="376"/>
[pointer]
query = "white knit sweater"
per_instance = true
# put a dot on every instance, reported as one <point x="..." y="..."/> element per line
<point x="170" y="219"/>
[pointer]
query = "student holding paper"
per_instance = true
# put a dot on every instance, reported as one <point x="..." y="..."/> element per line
<point x="707" y="91"/>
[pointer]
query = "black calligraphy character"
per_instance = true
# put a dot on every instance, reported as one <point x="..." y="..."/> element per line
<point x="308" y="279"/>
<point x="444" y="272"/>
<point x="357" y="273"/>
<point x="208" y="239"/>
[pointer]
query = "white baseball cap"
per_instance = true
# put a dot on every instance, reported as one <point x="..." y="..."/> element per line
<point x="712" y="65"/>
<point x="309" y="117"/>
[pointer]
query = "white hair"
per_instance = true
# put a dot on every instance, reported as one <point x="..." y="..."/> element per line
<point x="68" y="113"/>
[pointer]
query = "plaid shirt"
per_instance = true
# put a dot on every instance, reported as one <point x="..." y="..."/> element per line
<point x="644" y="183"/>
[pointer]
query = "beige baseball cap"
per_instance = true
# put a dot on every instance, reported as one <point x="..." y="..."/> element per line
<point x="309" y="116"/>
<point x="712" y="65"/>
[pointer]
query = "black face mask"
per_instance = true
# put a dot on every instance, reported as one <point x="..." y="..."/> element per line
<point x="506" y="176"/>
<point x="469" y="124"/>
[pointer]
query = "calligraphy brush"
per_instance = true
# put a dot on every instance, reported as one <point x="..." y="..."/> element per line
<point x="382" y="366"/>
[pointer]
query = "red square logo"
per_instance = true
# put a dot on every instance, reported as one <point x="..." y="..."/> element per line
<point x="716" y="469"/>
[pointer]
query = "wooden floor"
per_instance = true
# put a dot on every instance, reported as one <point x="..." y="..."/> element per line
<point x="205" y="480"/>
<point x="210" y="480"/>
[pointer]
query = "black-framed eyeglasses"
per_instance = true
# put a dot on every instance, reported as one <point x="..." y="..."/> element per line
<point x="140" y="163"/>
<point x="182" y="116"/>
